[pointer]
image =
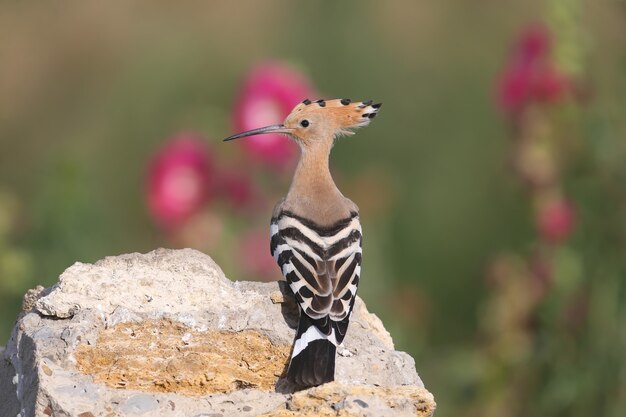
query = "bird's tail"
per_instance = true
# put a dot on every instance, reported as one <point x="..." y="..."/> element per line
<point x="313" y="358"/>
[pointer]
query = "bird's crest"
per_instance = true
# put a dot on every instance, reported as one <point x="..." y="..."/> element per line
<point x="346" y="114"/>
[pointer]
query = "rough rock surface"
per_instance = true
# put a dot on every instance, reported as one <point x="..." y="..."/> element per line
<point x="166" y="334"/>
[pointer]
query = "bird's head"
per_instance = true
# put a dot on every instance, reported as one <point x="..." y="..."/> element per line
<point x="312" y="122"/>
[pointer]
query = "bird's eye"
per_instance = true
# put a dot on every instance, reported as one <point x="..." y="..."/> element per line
<point x="304" y="123"/>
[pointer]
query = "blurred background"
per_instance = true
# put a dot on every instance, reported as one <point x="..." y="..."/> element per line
<point x="492" y="186"/>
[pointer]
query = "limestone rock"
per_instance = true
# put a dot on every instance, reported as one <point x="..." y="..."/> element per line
<point x="166" y="334"/>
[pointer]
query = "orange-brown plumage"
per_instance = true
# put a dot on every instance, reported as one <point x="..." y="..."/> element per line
<point x="313" y="193"/>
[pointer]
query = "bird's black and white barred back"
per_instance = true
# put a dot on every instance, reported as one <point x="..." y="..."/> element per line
<point x="322" y="266"/>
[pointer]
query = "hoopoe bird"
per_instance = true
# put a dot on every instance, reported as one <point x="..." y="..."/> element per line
<point x="315" y="235"/>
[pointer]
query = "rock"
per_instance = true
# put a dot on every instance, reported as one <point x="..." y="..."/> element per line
<point x="167" y="334"/>
<point x="336" y="399"/>
<point x="9" y="403"/>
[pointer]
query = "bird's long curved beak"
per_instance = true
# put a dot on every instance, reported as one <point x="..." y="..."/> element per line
<point x="260" y="131"/>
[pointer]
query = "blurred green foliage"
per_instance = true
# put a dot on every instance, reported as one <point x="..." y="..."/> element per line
<point x="88" y="91"/>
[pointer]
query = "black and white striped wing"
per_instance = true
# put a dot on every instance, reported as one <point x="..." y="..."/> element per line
<point x="322" y="266"/>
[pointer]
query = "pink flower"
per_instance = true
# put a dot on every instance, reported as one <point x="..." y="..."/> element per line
<point x="179" y="179"/>
<point x="238" y="189"/>
<point x="514" y="88"/>
<point x="254" y="252"/>
<point x="550" y="85"/>
<point x="269" y="93"/>
<point x="533" y="44"/>
<point x="556" y="221"/>
<point x="529" y="75"/>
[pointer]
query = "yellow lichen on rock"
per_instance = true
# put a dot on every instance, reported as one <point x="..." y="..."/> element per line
<point x="167" y="356"/>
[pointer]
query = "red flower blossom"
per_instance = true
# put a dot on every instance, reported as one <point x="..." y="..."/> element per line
<point x="530" y="75"/>
<point x="179" y="179"/>
<point x="238" y="189"/>
<point x="533" y="44"/>
<point x="550" y="85"/>
<point x="556" y="221"/>
<point x="270" y="92"/>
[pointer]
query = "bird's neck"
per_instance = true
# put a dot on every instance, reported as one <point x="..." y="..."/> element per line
<point x="313" y="192"/>
<point x="312" y="176"/>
